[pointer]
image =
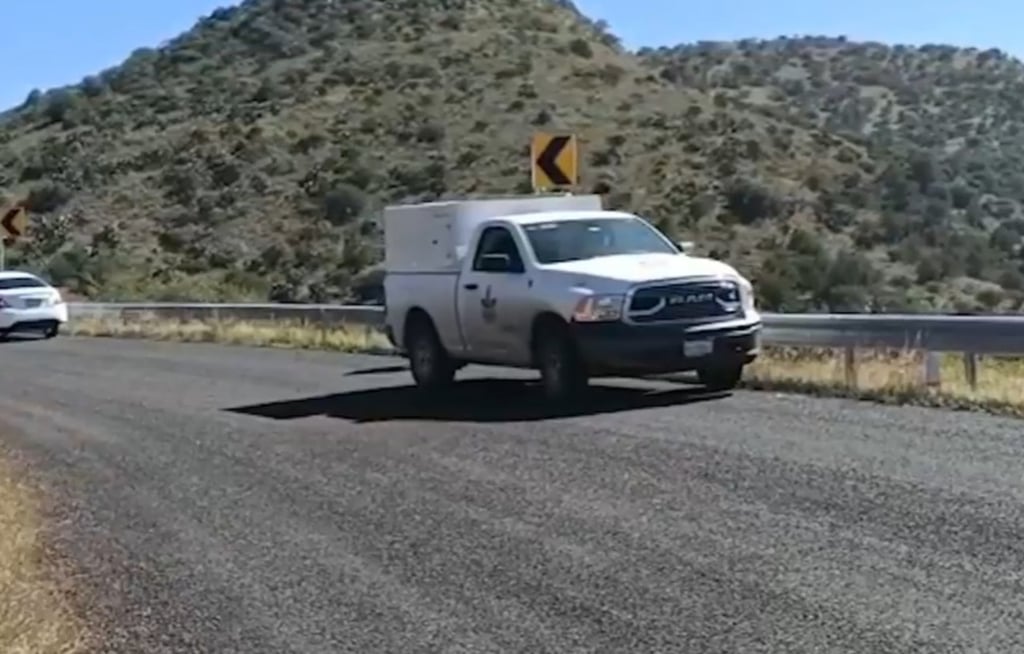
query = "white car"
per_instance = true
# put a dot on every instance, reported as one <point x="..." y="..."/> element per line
<point x="27" y="303"/>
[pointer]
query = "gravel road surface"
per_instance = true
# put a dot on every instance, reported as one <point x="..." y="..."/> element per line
<point x="221" y="499"/>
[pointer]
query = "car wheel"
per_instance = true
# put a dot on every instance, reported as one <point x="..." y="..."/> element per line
<point x="720" y="377"/>
<point x="563" y="375"/>
<point x="430" y="364"/>
<point x="52" y="331"/>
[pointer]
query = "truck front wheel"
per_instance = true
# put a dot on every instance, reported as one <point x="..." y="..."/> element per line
<point x="563" y="374"/>
<point x="430" y="364"/>
<point x="720" y="377"/>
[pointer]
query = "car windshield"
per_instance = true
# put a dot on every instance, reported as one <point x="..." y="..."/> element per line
<point x="573" y="240"/>
<point x="10" y="283"/>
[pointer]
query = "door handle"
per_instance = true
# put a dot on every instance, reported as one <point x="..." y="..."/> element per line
<point x="470" y="287"/>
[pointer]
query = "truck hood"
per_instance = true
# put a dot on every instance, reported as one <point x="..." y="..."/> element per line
<point x="633" y="268"/>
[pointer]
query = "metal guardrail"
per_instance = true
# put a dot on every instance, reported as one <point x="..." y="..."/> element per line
<point x="329" y="314"/>
<point x="970" y="335"/>
<point x="934" y="333"/>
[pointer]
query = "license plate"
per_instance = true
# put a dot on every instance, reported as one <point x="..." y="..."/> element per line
<point x="699" y="348"/>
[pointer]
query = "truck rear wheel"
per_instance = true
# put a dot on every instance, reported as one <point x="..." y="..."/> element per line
<point x="721" y="377"/>
<point x="430" y="364"/>
<point x="563" y="375"/>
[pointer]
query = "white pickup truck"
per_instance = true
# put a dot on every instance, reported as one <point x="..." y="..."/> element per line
<point x="557" y="283"/>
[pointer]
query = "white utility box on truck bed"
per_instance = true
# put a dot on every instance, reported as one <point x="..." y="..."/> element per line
<point x="432" y="237"/>
<point x="558" y="284"/>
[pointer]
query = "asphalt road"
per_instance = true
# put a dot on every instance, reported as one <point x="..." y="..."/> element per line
<point x="226" y="499"/>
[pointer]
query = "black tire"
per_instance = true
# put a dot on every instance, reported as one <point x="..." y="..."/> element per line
<point x="431" y="367"/>
<point x="563" y="374"/>
<point x="52" y="331"/>
<point x="721" y="377"/>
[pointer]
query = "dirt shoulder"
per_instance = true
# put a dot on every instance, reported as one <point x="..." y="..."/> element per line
<point x="36" y="613"/>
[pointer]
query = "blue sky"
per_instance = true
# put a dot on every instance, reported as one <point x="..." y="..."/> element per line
<point x="54" y="42"/>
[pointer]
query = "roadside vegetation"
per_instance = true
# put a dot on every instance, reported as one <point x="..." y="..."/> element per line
<point x="894" y="377"/>
<point x="890" y="377"/>
<point x="294" y="335"/>
<point x="248" y="158"/>
<point x="34" y="617"/>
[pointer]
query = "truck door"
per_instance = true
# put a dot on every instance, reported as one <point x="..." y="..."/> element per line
<point x="492" y="298"/>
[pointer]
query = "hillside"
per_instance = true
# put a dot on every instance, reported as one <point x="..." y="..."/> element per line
<point x="943" y="208"/>
<point x="249" y="157"/>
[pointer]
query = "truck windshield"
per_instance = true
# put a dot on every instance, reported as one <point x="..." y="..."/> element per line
<point x="573" y="240"/>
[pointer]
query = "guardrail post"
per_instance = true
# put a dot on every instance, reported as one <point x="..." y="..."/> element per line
<point x="850" y="367"/>
<point x="971" y="369"/>
<point x="932" y="369"/>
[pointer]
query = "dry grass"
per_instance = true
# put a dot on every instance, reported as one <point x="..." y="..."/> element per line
<point x="262" y="334"/>
<point x="894" y="377"/>
<point x="34" y="618"/>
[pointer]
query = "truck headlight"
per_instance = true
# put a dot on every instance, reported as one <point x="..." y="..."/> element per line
<point x="599" y="308"/>
<point x="747" y="300"/>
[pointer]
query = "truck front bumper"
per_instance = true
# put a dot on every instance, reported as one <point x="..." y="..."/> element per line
<point x="622" y="349"/>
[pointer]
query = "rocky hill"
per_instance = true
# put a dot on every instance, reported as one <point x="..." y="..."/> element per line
<point x="941" y="211"/>
<point x="249" y="158"/>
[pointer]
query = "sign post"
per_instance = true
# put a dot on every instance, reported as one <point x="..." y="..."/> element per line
<point x="13" y="224"/>
<point x="554" y="162"/>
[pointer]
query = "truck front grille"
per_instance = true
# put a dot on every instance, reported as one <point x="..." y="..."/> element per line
<point x="685" y="301"/>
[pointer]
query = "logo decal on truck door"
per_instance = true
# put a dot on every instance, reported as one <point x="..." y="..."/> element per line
<point x="488" y="303"/>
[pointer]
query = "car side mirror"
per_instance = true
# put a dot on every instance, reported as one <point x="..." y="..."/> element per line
<point x="497" y="262"/>
<point x="686" y="247"/>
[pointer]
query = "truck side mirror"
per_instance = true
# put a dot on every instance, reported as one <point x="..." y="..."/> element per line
<point x="686" y="247"/>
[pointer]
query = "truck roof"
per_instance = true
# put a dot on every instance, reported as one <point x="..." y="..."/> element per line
<point x="15" y="274"/>
<point x="552" y="216"/>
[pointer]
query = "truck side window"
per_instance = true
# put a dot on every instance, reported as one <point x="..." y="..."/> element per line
<point x="498" y="240"/>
